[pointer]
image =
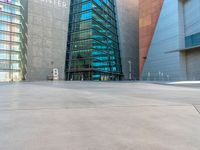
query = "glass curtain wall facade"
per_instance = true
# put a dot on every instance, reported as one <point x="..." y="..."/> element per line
<point x="93" y="48"/>
<point x="12" y="41"/>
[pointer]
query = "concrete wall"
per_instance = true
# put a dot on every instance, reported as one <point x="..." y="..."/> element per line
<point x="47" y="37"/>
<point x="127" y="14"/>
<point x="193" y="63"/>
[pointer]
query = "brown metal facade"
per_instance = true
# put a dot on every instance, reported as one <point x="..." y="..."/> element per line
<point x="149" y="11"/>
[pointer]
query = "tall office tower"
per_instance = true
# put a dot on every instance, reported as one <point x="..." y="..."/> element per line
<point x="169" y="39"/>
<point x="12" y="40"/>
<point x="93" y="47"/>
<point x="102" y="39"/>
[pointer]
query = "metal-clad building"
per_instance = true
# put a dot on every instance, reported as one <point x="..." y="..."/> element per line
<point x="173" y="52"/>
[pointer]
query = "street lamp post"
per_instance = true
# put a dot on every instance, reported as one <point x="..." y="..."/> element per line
<point x="51" y="69"/>
<point x="130" y="70"/>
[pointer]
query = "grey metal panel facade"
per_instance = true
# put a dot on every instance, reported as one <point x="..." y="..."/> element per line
<point x="128" y="25"/>
<point x="192" y="17"/>
<point x="168" y="35"/>
<point x="193" y="63"/>
<point x="177" y="20"/>
<point x="47" y="37"/>
<point x="192" y="26"/>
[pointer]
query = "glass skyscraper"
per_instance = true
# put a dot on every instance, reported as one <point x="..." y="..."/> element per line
<point x="12" y="40"/>
<point x="93" y="48"/>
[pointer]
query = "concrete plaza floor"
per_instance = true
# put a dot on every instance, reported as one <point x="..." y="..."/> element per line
<point x="99" y="116"/>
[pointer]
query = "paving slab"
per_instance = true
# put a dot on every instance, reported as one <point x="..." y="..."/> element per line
<point x="92" y="94"/>
<point x="197" y="108"/>
<point x="98" y="116"/>
<point x="140" y="128"/>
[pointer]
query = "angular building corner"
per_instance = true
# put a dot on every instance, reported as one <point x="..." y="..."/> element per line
<point x="174" y="50"/>
<point x="93" y="47"/>
<point x="101" y="41"/>
<point x="148" y="17"/>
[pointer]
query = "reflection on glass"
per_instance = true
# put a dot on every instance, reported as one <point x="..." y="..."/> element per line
<point x="93" y="48"/>
<point x="12" y="41"/>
